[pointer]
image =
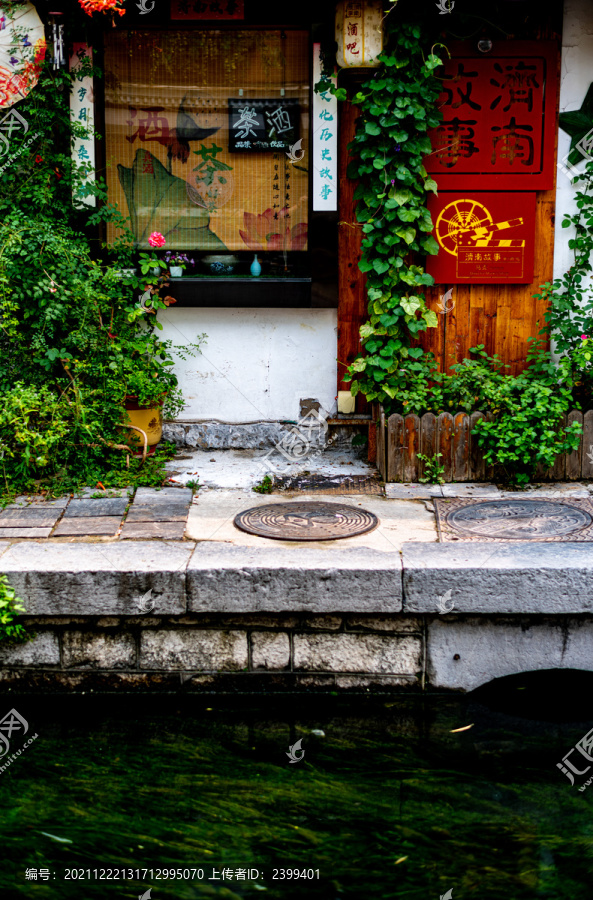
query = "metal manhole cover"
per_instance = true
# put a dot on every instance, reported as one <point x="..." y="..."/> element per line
<point x="307" y="521"/>
<point x="515" y="520"/>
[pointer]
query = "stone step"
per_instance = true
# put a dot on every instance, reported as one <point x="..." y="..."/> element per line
<point x="463" y="578"/>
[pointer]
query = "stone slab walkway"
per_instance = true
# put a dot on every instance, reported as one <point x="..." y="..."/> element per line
<point x="123" y="514"/>
<point x="211" y="519"/>
<point x="405" y="513"/>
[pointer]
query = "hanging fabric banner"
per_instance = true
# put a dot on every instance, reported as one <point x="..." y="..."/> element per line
<point x="325" y="142"/>
<point x="82" y="112"/>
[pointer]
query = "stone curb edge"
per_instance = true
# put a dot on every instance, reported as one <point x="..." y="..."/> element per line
<point x="172" y="578"/>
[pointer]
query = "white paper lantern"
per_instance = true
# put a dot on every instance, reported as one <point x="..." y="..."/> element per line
<point x="359" y="33"/>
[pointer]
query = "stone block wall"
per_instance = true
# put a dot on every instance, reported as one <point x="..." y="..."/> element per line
<point x="217" y="652"/>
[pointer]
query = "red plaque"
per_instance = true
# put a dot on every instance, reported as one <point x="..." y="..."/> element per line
<point x="485" y="237"/>
<point x="207" y="9"/>
<point x="499" y="118"/>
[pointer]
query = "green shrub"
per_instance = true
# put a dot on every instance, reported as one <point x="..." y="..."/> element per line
<point x="10" y="607"/>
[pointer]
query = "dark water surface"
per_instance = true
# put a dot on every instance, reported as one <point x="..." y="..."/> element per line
<point x="206" y="784"/>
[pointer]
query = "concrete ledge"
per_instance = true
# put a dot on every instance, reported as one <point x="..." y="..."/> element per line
<point x="98" y="579"/>
<point x="224" y="578"/>
<point x="463" y="654"/>
<point x="499" y="577"/>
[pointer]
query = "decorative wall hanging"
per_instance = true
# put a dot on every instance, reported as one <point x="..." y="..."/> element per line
<point x="82" y="112"/>
<point x="485" y="237"/>
<point x="58" y="52"/>
<point x="22" y="51"/>
<point x="175" y="165"/>
<point x="499" y="118"/>
<point x="258" y="126"/>
<point x="359" y="33"/>
<point x="325" y="142"/>
<point x="105" y="6"/>
<point x="202" y="9"/>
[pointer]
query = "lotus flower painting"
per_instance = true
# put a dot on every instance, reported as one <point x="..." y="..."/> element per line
<point x="273" y="231"/>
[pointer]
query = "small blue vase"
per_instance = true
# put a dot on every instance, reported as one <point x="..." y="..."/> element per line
<point x="255" y="267"/>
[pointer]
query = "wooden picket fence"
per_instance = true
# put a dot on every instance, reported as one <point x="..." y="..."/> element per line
<point x="401" y="438"/>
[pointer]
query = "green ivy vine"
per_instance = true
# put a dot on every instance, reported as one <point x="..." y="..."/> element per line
<point x="11" y="630"/>
<point x="398" y="106"/>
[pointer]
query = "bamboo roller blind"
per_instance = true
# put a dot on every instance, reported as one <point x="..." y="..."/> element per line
<point x="167" y="137"/>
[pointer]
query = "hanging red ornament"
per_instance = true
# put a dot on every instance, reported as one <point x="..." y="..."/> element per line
<point x="92" y="6"/>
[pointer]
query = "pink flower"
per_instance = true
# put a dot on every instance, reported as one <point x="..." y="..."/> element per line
<point x="257" y="229"/>
<point x="156" y="239"/>
<point x="271" y="231"/>
<point x="584" y="337"/>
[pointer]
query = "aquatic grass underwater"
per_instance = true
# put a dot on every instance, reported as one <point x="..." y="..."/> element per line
<point x="387" y="804"/>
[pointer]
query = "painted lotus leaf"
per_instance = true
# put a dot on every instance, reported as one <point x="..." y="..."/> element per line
<point x="159" y="201"/>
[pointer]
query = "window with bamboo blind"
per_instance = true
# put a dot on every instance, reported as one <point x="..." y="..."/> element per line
<point x="199" y="127"/>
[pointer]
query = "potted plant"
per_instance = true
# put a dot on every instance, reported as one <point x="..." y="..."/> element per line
<point x="144" y="370"/>
<point x="177" y="262"/>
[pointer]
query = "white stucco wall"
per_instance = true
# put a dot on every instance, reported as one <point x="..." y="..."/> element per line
<point x="575" y="77"/>
<point x="257" y="363"/>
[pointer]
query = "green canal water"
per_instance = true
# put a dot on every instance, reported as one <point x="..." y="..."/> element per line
<point x="389" y="802"/>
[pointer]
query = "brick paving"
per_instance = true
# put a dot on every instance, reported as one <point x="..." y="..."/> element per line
<point x="149" y="513"/>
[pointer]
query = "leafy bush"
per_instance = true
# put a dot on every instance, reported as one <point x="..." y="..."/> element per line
<point x="75" y="341"/>
<point x="10" y="607"/>
<point x="525" y="432"/>
<point x="527" y="410"/>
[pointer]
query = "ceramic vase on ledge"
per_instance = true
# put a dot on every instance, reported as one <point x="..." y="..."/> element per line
<point x="176" y="271"/>
<point x="255" y="267"/>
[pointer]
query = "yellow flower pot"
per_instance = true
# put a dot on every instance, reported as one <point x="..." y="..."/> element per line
<point x="148" y="418"/>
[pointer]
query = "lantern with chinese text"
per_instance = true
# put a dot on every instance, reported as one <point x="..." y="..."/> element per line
<point x="359" y="33"/>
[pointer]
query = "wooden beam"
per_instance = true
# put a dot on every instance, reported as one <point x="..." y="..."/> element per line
<point x="352" y="306"/>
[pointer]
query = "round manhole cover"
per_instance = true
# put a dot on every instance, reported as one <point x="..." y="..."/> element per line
<point x="307" y="521"/>
<point x="514" y="520"/>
